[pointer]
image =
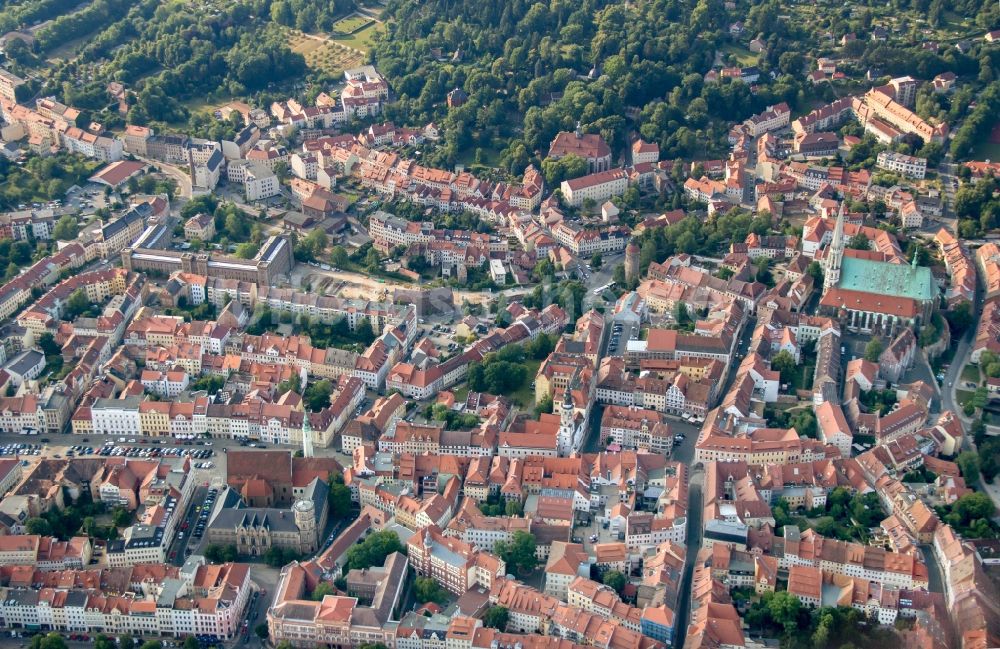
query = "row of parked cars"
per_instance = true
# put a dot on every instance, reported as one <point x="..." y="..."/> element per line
<point x="203" y="512"/>
<point x="616" y="333"/>
<point x="110" y="450"/>
<point x="21" y="449"/>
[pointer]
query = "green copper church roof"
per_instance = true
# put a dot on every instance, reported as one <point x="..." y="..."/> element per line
<point x="883" y="278"/>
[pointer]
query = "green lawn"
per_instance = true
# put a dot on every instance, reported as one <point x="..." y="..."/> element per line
<point x="970" y="373"/>
<point x="986" y="150"/>
<point x="742" y="54"/>
<point x="961" y="396"/>
<point x="351" y="23"/>
<point x="803" y="378"/>
<point x="525" y="395"/>
<point x="461" y="394"/>
<point x="490" y="158"/>
<point x="362" y="40"/>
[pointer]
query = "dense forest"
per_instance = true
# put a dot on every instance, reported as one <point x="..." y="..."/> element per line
<point x="167" y="53"/>
<point x="532" y="69"/>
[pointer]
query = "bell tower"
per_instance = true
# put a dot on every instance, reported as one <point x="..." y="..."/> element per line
<point x="566" y="439"/>
<point x="307" y="436"/>
<point x="835" y="256"/>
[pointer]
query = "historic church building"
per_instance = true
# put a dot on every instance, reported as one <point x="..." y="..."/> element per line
<point x="870" y="294"/>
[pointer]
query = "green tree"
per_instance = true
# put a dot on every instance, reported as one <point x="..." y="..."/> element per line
<point x="339" y="257"/>
<point x="246" y="250"/>
<point x="191" y="642"/>
<point x="804" y="422"/>
<point x="213" y="553"/>
<point x="281" y="171"/>
<point x="968" y="464"/>
<point x="519" y="552"/>
<point x="425" y="589"/>
<point x="979" y="397"/>
<point x="784" y="362"/>
<point x="596" y="261"/>
<point x="210" y="383"/>
<point x="48" y="641"/>
<point x="873" y="350"/>
<point x="972" y="506"/>
<point x="543" y="406"/>
<point x="66" y="228"/>
<point x="784" y="610"/>
<point x="76" y="304"/>
<point x="102" y="641"/>
<point x="763" y="275"/>
<point x="316" y="242"/>
<point x="815" y="270"/>
<point x="496" y="617"/>
<point x="38" y="526"/>
<point x="858" y="242"/>
<point x="322" y="590"/>
<point x="373" y="550"/>
<point x="293" y="383"/>
<point x="152" y="644"/>
<point x="513" y="508"/>
<point x="317" y="395"/>
<point x="221" y="553"/>
<point x="261" y="630"/>
<point x="121" y="517"/>
<point x="340" y="498"/>
<point x="126" y="642"/>
<point x="681" y="313"/>
<point x="565" y="168"/>
<point x="363" y="331"/>
<point x="615" y="579"/>
<point x="960" y="317"/>
<point x="47" y="343"/>
<point x="618" y="275"/>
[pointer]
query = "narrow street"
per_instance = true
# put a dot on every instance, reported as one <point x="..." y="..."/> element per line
<point x="184" y="188"/>
<point x="935" y="577"/>
<point x="176" y="552"/>
<point x="949" y="402"/>
<point x="694" y="532"/>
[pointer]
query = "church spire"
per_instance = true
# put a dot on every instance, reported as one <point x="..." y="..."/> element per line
<point x="307" y="435"/>
<point x="835" y="254"/>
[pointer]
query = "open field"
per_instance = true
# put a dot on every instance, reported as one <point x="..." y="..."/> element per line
<point x="986" y="150"/>
<point x="970" y="373"/>
<point x="67" y="51"/>
<point x="744" y="56"/>
<point x="351" y="24"/>
<point x="323" y="54"/>
<point x="363" y="39"/>
<point x="525" y="395"/>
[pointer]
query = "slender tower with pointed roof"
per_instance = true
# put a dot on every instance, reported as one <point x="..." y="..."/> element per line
<point x="835" y="256"/>
<point x="307" y="436"/>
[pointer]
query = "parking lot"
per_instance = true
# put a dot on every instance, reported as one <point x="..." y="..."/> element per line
<point x="620" y="335"/>
<point x="20" y="449"/>
<point x="110" y="449"/>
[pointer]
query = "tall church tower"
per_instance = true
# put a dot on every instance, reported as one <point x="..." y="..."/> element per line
<point x="835" y="256"/>
<point x="566" y="439"/>
<point x="307" y="436"/>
